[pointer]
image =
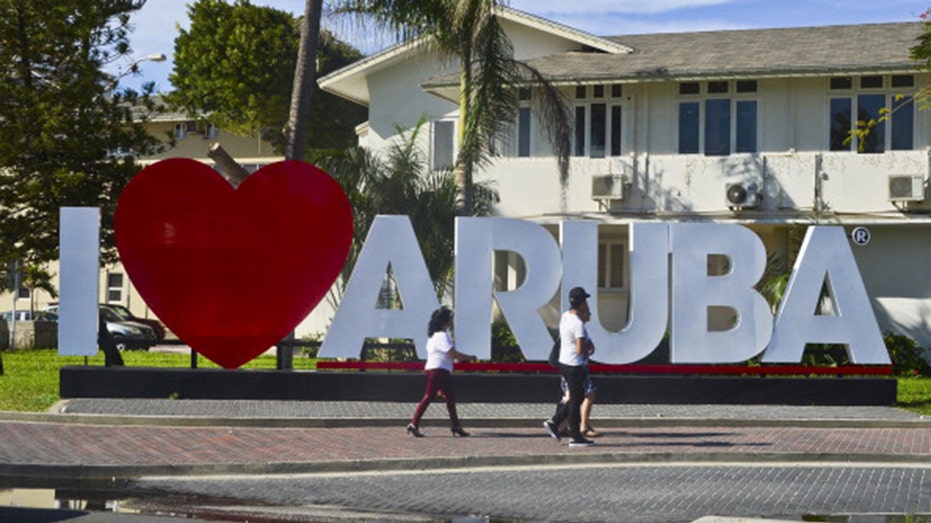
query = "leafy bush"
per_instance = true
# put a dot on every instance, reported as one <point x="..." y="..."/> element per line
<point x="825" y="355"/>
<point x="310" y="351"/>
<point x="906" y="355"/>
<point x="395" y="349"/>
<point x="504" y="347"/>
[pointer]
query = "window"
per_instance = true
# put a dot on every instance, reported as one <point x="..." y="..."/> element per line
<point x="599" y="123"/>
<point x="616" y="113"/>
<point x="23" y="293"/>
<point x="903" y="123"/>
<point x="212" y="132"/>
<point x="114" y="287"/>
<point x="443" y="132"/>
<point x="688" y="128"/>
<point x="597" y="131"/>
<point x="718" y="127"/>
<point x="184" y="128"/>
<point x="720" y="120"/>
<point x="524" y="96"/>
<point x="611" y="265"/>
<point x="580" y="130"/>
<point x="746" y="126"/>
<point x="689" y="88"/>
<point x="850" y="109"/>
<point x="523" y="132"/>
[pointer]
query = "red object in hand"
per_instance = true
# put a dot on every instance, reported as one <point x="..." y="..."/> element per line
<point x="231" y="270"/>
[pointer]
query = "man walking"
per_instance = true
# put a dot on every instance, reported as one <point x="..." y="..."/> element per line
<point x="575" y="347"/>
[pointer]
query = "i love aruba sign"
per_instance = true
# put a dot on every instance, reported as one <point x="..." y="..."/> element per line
<point x="232" y="270"/>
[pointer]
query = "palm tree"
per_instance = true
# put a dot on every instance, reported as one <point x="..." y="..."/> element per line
<point x="400" y="183"/>
<point x="305" y="77"/>
<point x="469" y="31"/>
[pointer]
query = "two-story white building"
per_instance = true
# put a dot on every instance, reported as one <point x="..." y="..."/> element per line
<point x="747" y="126"/>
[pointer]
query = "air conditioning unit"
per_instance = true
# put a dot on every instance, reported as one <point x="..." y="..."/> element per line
<point x="742" y="195"/>
<point x="607" y="187"/>
<point x="906" y="187"/>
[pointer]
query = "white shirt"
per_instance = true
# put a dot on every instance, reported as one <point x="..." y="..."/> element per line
<point x="571" y="328"/>
<point x="438" y="347"/>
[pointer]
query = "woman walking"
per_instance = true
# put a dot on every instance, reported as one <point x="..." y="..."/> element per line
<point x="441" y="352"/>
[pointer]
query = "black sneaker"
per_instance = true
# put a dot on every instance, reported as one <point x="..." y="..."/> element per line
<point x="551" y="429"/>
<point x="581" y="442"/>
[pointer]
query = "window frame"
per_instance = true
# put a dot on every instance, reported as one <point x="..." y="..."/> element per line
<point x="736" y="94"/>
<point x="612" y="101"/>
<point x="433" y="144"/>
<point x="114" y="289"/>
<point x="524" y="143"/>
<point x="853" y="94"/>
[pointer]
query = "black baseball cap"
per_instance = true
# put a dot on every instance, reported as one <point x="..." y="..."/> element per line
<point x="577" y="296"/>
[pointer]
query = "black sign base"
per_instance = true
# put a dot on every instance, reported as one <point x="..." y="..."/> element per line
<point x="137" y="382"/>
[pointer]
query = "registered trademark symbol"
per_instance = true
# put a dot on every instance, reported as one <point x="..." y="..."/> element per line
<point x="860" y="236"/>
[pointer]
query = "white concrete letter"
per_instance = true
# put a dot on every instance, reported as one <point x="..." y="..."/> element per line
<point x="649" y="273"/>
<point x="476" y="241"/>
<point x="390" y="240"/>
<point x="694" y="291"/>
<point x="79" y="247"/>
<point x="826" y="258"/>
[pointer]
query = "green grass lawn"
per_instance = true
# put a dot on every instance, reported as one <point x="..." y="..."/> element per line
<point x="30" y="379"/>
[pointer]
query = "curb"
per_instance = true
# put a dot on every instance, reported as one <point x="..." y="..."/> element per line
<point x="116" y="473"/>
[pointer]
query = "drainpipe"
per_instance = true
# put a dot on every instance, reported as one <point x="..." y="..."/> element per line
<point x="819" y="202"/>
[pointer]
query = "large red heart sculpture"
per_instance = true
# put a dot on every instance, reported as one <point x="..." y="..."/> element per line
<point x="232" y="270"/>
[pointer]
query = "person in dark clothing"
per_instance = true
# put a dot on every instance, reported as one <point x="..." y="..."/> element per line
<point x="112" y="356"/>
<point x="575" y="348"/>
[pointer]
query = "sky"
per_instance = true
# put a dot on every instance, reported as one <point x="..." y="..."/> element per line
<point x="156" y="23"/>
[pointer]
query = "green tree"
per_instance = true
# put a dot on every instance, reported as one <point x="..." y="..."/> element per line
<point x="236" y="64"/>
<point x="399" y="183"/>
<point x="66" y="139"/>
<point x="469" y="31"/>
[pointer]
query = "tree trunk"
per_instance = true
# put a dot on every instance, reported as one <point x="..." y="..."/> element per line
<point x="229" y="168"/>
<point x="465" y="157"/>
<point x="305" y="78"/>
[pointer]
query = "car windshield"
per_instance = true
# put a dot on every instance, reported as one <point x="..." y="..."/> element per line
<point x="109" y="314"/>
<point x="123" y="312"/>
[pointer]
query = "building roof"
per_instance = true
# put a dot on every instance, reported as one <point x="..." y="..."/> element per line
<point x="749" y="53"/>
<point x="350" y="81"/>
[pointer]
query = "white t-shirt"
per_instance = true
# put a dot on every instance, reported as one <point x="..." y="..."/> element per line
<point x="438" y="347"/>
<point x="571" y="328"/>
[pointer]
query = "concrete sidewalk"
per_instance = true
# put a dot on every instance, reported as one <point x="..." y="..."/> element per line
<point x="103" y="439"/>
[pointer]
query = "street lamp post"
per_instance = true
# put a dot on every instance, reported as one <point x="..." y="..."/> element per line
<point x="134" y="67"/>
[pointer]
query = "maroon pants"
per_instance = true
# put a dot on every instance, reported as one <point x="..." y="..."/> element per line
<point x="437" y="381"/>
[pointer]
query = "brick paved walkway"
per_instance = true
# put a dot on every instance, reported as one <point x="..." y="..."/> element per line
<point x="53" y="446"/>
<point x="262" y="447"/>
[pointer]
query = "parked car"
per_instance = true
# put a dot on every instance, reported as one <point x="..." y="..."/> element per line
<point x="127" y="315"/>
<point x="27" y="315"/>
<point x="128" y="335"/>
